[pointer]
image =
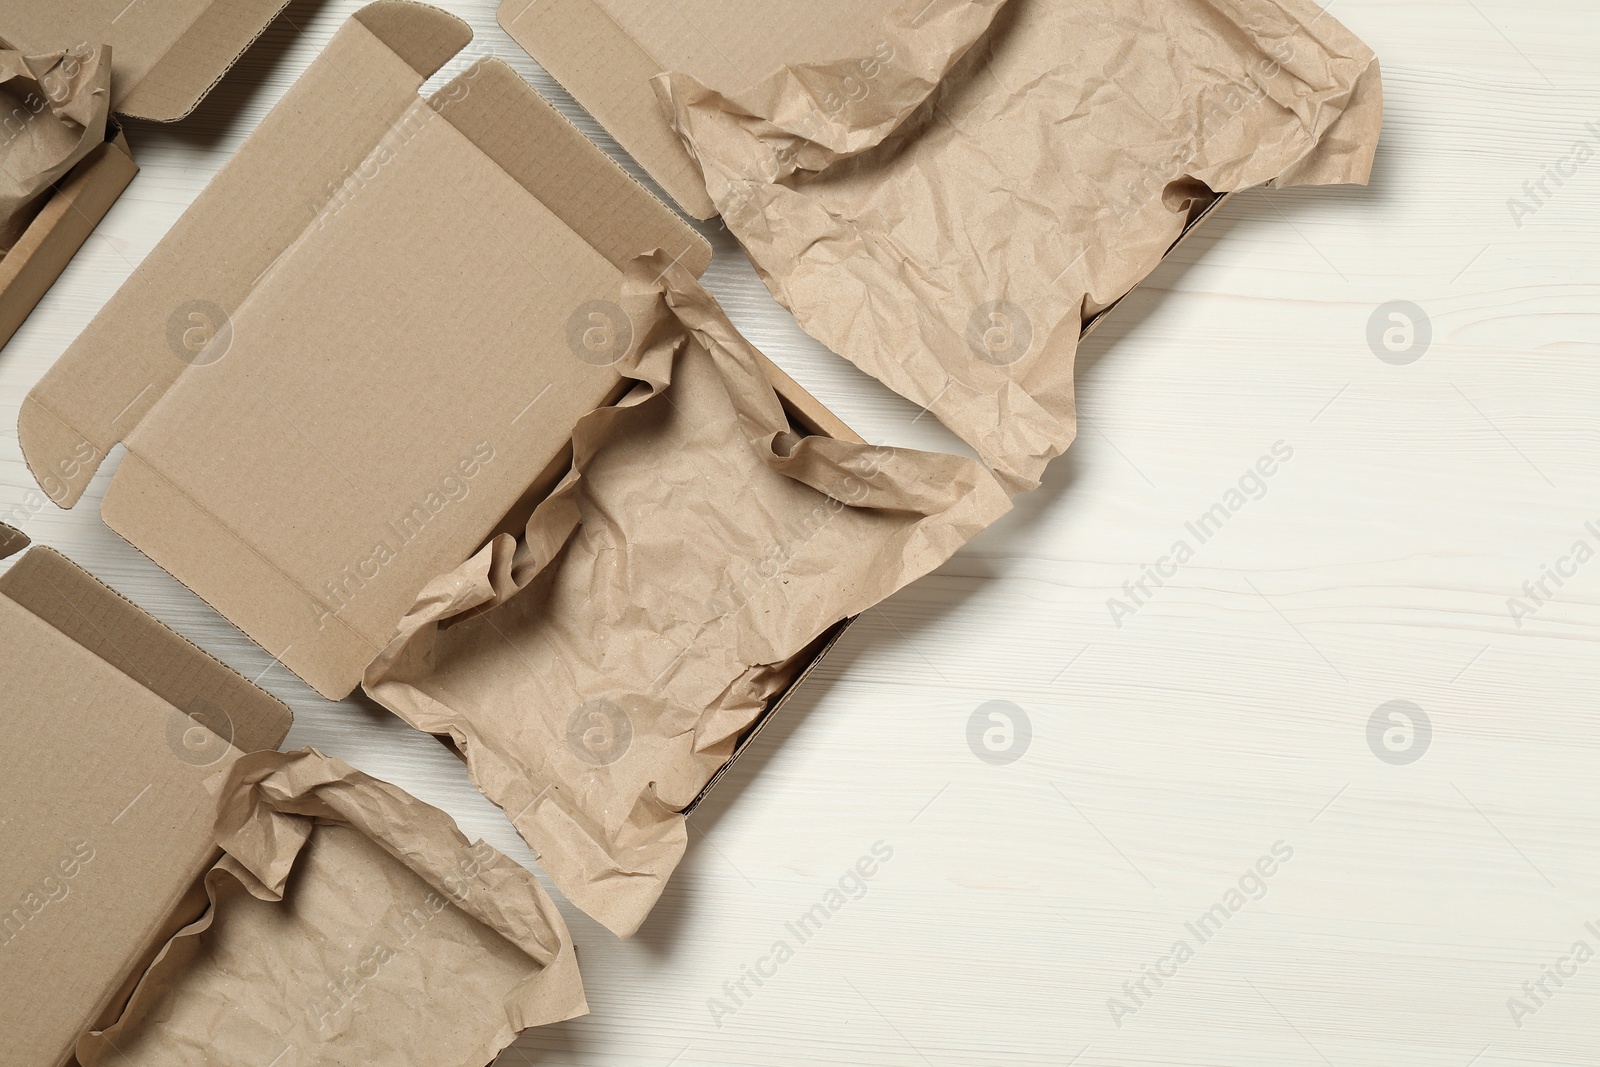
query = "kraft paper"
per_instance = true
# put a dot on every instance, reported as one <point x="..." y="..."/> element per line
<point x="348" y="923"/>
<point x="53" y="109"/>
<point x="597" y="672"/>
<point x="958" y="257"/>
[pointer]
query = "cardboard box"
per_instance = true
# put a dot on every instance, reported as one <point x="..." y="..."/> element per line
<point x="62" y="226"/>
<point x="166" y="54"/>
<point x="279" y="540"/>
<point x="119" y="721"/>
<point x="112" y="817"/>
<point x="361" y="359"/>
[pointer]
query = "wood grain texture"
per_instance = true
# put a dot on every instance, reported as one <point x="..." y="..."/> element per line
<point x="1228" y="713"/>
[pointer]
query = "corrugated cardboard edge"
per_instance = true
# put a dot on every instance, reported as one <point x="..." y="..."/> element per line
<point x="81" y="200"/>
<point x="181" y="78"/>
<point x="12" y="541"/>
<point x="601" y="64"/>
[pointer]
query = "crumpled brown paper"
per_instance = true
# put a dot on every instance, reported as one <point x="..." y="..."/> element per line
<point x="597" y="673"/>
<point x="348" y="923"/>
<point x="958" y="259"/>
<point x="53" y="109"/>
<point x="805" y="117"/>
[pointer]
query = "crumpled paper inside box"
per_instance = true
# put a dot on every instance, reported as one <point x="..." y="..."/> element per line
<point x="348" y="923"/>
<point x="597" y="672"/>
<point x="956" y="254"/>
<point x="53" y="109"/>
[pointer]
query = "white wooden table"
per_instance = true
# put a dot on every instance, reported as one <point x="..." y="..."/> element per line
<point x="1228" y="713"/>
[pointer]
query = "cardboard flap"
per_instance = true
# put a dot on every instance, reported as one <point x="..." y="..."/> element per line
<point x="196" y="61"/>
<point x="12" y="540"/>
<point x="99" y="619"/>
<point x="108" y="823"/>
<point x="166" y="54"/>
<point x="173" y="314"/>
<point x="609" y="73"/>
<point x="551" y="158"/>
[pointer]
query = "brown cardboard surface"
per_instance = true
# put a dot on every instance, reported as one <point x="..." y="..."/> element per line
<point x="348" y="923"/>
<point x="59" y="593"/>
<point x="12" y="541"/>
<point x="959" y="257"/>
<point x="598" y="672"/>
<point x="607" y="52"/>
<point x="60" y="228"/>
<point x="224" y="336"/>
<point x="107" y="821"/>
<point x="166" y="54"/>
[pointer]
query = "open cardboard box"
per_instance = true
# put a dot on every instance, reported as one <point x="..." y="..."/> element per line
<point x="166" y="54"/>
<point x="359" y="359"/>
<point x="61" y="227"/>
<point x="175" y="314"/>
<point x="281" y="538"/>
<point x="112" y="821"/>
<point x="117" y="722"/>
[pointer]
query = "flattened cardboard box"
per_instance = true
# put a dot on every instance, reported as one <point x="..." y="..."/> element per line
<point x="114" y="806"/>
<point x="98" y="694"/>
<point x="166" y="54"/>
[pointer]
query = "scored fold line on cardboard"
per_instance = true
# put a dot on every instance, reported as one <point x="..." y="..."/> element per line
<point x="119" y="918"/>
<point x="405" y="396"/>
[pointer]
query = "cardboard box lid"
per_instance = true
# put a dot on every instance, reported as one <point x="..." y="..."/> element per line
<point x="367" y="320"/>
<point x="115" y="722"/>
<point x="165" y="54"/>
<point x="604" y="52"/>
